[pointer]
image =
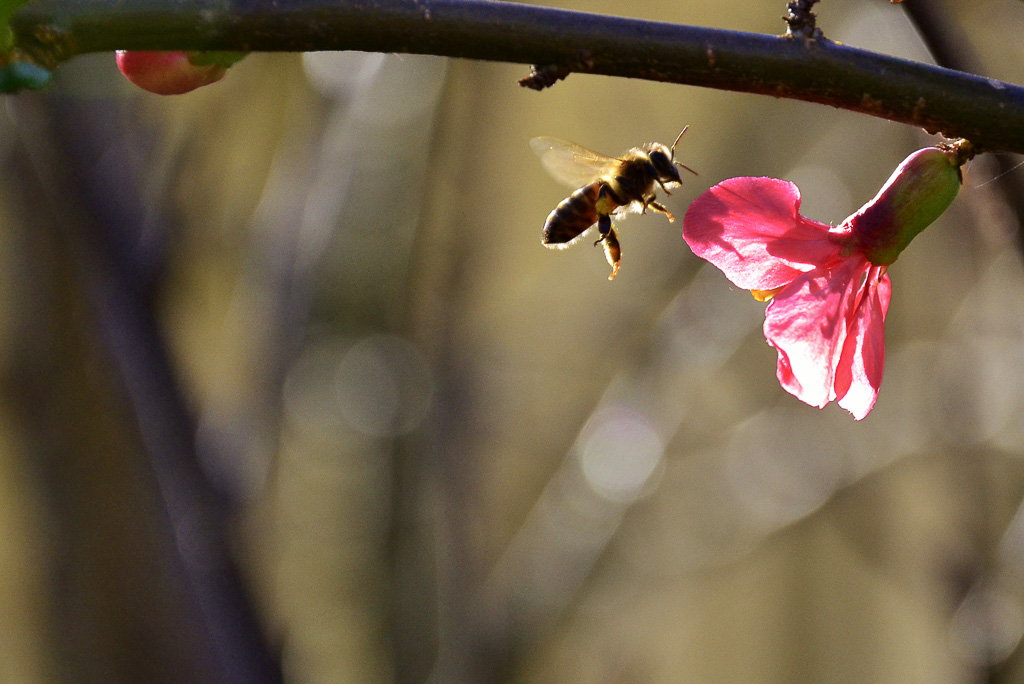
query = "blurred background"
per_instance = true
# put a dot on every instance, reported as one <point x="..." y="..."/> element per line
<point x="291" y="386"/>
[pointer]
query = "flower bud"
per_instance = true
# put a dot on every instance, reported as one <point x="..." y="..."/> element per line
<point x="916" y="194"/>
<point x="16" y="76"/>
<point x="167" y="73"/>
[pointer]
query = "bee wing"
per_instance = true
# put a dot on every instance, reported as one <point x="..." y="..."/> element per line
<point x="570" y="163"/>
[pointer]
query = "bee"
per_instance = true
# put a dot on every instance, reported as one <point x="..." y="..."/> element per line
<point x="607" y="186"/>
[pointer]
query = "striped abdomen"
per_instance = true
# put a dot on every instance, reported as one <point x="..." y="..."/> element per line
<point x="572" y="216"/>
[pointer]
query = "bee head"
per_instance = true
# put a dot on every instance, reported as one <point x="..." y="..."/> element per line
<point x="662" y="161"/>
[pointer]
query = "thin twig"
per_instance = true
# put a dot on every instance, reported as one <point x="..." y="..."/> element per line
<point x="802" y="21"/>
<point x="960" y="105"/>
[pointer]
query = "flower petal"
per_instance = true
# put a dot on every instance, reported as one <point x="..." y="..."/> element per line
<point x="752" y="230"/>
<point x="859" y="374"/>
<point x="808" y="324"/>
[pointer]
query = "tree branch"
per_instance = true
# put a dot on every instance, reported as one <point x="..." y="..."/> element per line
<point x="950" y="48"/>
<point x="988" y="112"/>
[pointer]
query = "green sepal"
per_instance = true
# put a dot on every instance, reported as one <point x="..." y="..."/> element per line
<point x="916" y="194"/>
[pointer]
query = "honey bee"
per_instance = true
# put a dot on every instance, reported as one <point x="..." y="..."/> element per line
<point x="607" y="186"/>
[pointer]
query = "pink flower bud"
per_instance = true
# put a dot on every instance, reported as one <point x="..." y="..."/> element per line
<point x="167" y="73"/>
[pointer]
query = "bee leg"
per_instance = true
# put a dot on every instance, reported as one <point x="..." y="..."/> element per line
<point x="610" y="241"/>
<point x="607" y="201"/>
<point x="663" y="188"/>
<point x="604" y="227"/>
<point x="612" y="251"/>
<point x="657" y="206"/>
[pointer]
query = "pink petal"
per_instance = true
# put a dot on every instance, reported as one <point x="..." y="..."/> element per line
<point x="804" y="324"/>
<point x="752" y="230"/>
<point x="828" y="328"/>
<point x="859" y="374"/>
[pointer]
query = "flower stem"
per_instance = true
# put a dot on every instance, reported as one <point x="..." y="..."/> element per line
<point x="986" y="111"/>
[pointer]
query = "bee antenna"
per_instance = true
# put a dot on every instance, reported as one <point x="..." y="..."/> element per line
<point x="678" y="138"/>
<point x="682" y="165"/>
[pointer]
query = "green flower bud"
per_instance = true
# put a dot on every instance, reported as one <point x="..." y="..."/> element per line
<point x="919" y="190"/>
<point x="17" y="76"/>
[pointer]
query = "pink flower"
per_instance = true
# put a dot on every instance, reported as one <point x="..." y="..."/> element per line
<point x="167" y="73"/>
<point x="828" y="286"/>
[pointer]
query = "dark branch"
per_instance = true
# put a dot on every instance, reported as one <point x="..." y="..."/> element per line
<point x="951" y="48"/>
<point x="986" y="111"/>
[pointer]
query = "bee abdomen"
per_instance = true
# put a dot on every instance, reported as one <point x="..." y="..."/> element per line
<point x="572" y="216"/>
